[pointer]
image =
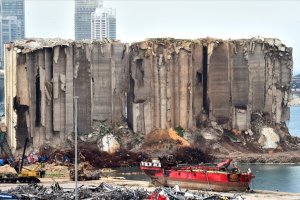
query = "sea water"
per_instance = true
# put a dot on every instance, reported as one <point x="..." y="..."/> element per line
<point x="294" y="122"/>
<point x="275" y="177"/>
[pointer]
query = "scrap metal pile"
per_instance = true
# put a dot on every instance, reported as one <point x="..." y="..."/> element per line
<point x="109" y="192"/>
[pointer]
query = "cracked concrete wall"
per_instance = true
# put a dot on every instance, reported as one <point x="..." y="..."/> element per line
<point x="157" y="83"/>
<point x="249" y="75"/>
<point x="109" y="77"/>
<point x="164" y="87"/>
<point x="243" y="76"/>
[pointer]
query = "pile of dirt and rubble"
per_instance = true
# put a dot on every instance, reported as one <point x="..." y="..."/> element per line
<point x="56" y="170"/>
<point x="164" y="140"/>
<point x="118" y="134"/>
<point x="211" y="138"/>
<point x="7" y="169"/>
<point x="94" y="157"/>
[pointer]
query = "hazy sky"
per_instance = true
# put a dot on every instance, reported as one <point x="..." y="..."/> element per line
<point x="141" y="19"/>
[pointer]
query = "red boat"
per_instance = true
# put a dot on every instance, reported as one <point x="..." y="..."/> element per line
<point x="215" y="177"/>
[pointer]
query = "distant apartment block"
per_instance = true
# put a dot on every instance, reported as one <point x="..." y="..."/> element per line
<point x="83" y="11"/>
<point x="103" y="23"/>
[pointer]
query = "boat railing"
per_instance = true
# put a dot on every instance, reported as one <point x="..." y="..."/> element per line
<point x="150" y="164"/>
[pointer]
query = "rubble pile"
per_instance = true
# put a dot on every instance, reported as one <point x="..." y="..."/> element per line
<point x="164" y="140"/>
<point x="56" y="170"/>
<point x="121" y="157"/>
<point x="110" y="137"/>
<point x="192" y="155"/>
<point x="109" y="192"/>
<point x="91" y="157"/>
<point x="7" y="169"/>
<point x="176" y="194"/>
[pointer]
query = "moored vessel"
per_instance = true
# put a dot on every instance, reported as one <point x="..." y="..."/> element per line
<point x="215" y="177"/>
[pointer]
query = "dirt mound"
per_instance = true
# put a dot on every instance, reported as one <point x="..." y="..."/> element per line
<point x="164" y="139"/>
<point x="7" y="169"/>
<point x="54" y="168"/>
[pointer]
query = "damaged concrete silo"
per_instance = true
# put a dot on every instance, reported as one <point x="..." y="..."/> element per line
<point x="184" y="82"/>
<point x="157" y="83"/>
<point x="42" y="78"/>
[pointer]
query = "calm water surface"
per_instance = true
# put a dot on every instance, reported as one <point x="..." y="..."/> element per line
<point x="283" y="178"/>
<point x="294" y="123"/>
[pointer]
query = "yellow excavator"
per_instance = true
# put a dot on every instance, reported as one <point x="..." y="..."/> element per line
<point x="24" y="175"/>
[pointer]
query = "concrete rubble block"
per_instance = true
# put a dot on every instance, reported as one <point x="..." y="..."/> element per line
<point x="268" y="139"/>
<point x="211" y="134"/>
<point x="108" y="143"/>
<point x="240" y="119"/>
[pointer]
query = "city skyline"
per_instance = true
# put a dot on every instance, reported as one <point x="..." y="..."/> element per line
<point x="138" y="20"/>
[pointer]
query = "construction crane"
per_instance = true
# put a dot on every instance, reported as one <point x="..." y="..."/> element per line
<point x="23" y="175"/>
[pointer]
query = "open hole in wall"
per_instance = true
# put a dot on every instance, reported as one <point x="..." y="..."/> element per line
<point x="21" y="127"/>
<point x="205" y="80"/>
<point x="37" y="99"/>
<point x="21" y="59"/>
<point x="199" y="77"/>
<point x="130" y="99"/>
<point x="140" y="72"/>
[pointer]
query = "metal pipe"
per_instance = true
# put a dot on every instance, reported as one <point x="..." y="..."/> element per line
<point x="76" y="151"/>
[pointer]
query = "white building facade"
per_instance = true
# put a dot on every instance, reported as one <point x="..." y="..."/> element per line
<point x="103" y="23"/>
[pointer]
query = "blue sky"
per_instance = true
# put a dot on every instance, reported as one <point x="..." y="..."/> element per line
<point x="138" y="20"/>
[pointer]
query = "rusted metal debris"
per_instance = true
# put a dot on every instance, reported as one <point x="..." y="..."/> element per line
<point x="109" y="192"/>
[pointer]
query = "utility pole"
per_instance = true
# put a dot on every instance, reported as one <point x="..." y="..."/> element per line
<point x="76" y="151"/>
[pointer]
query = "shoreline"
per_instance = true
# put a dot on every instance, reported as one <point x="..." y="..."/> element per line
<point x="275" y="158"/>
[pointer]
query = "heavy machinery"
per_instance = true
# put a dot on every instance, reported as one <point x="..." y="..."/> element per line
<point x="23" y="175"/>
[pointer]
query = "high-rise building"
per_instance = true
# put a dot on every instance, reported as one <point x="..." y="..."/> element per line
<point x="103" y="23"/>
<point x="14" y="8"/>
<point x="12" y="24"/>
<point x="83" y="10"/>
<point x="8" y="31"/>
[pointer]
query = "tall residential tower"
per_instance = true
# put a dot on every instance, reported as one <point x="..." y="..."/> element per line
<point x="103" y="23"/>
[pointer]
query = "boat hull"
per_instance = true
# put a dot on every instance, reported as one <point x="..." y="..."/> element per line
<point x="202" y="178"/>
<point x="200" y="185"/>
